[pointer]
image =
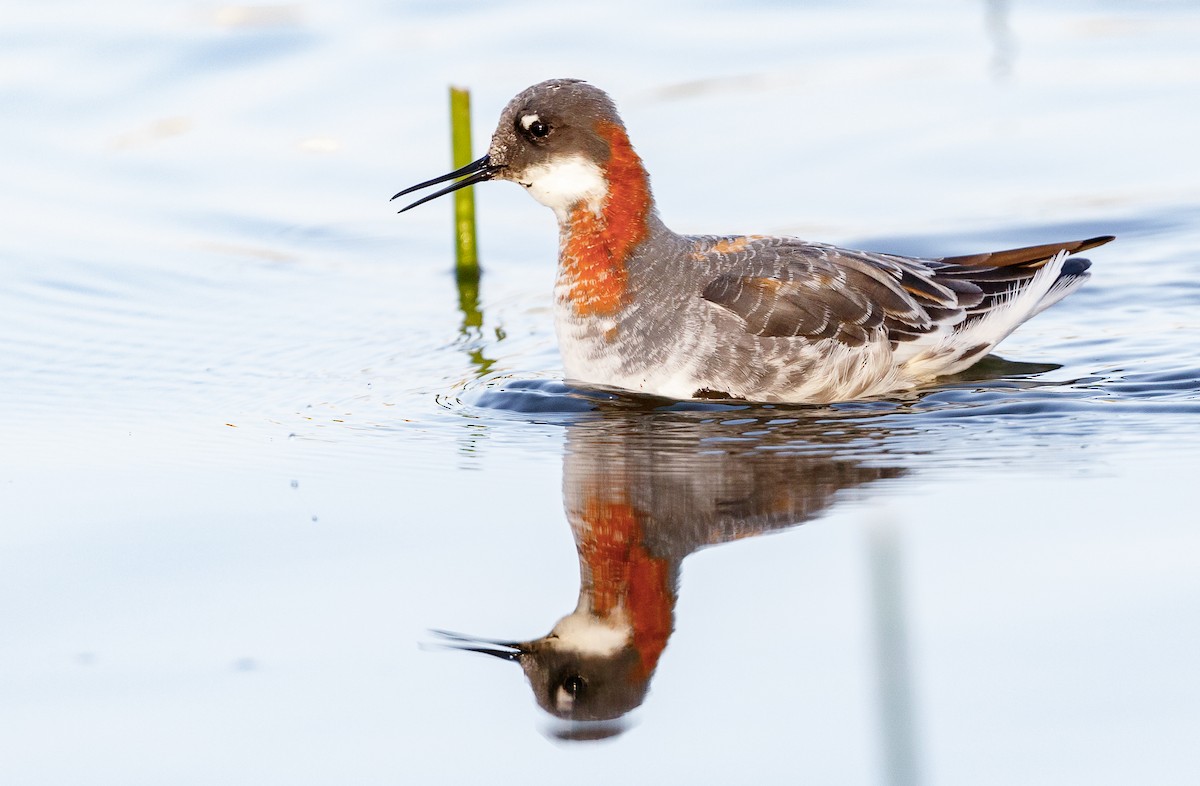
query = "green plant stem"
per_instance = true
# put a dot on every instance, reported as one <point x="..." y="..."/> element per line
<point x="465" y="248"/>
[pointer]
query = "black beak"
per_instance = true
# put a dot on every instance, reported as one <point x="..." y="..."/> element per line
<point x="472" y="173"/>
<point x="511" y="649"/>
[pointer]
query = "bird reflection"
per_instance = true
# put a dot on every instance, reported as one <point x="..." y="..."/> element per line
<point x="642" y="491"/>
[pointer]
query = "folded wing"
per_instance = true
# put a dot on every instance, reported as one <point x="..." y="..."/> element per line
<point x="788" y="288"/>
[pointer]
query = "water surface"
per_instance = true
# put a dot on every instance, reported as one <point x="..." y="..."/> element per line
<point x="256" y="445"/>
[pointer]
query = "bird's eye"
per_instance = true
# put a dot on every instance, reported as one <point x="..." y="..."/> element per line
<point x="538" y="129"/>
<point x="574" y="685"/>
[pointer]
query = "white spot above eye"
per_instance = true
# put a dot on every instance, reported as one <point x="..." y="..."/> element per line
<point x="562" y="183"/>
<point x="528" y="120"/>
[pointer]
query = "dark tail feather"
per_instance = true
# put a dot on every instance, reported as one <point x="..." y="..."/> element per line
<point x="1031" y="256"/>
<point x="1074" y="266"/>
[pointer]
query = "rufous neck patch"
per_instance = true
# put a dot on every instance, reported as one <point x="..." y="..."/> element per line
<point x="596" y="246"/>
<point x="626" y="577"/>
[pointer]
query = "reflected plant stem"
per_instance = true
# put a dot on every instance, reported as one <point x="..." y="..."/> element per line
<point x="1000" y="33"/>
<point x="897" y="722"/>
<point x="468" y="301"/>
<point x="471" y="329"/>
<point x="470" y="334"/>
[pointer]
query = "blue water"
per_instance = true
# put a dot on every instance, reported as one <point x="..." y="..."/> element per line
<point x="255" y="446"/>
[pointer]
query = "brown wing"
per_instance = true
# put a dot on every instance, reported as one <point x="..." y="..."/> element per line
<point x="822" y="292"/>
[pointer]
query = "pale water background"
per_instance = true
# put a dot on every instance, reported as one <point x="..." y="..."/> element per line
<point x="249" y="453"/>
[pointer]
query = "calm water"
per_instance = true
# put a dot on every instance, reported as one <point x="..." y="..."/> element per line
<point x="256" y="446"/>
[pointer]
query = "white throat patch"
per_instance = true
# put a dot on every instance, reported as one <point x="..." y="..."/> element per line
<point x="563" y="182"/>
<point x="583" y="633"/>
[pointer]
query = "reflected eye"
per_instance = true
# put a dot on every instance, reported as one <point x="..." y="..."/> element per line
<point x="538" y="128"/>
<point x="574" y="685"/>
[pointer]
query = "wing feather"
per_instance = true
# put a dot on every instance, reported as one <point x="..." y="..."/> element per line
<point x="783" y="287"/>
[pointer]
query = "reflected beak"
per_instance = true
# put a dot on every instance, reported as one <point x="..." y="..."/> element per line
<point x="505" y="650"/>
<point x="472" y="173"/>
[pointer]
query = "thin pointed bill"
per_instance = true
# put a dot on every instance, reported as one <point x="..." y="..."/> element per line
<point x="505" y="650"/>
<point x="474" y="172"/>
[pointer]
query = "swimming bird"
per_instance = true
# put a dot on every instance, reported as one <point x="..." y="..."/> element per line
<point x="758" y="318"/>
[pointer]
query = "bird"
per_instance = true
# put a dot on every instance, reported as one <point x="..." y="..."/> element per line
<point x="756" y="318"/>
<point x="637" y="512"/>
